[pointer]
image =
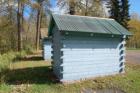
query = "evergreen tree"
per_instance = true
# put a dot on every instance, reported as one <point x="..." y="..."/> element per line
<point x="125" y="17"/>
<point x="119" y="10"/>
<point x="114" y="11"/>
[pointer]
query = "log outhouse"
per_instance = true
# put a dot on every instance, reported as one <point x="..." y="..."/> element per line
<point x="47" y="49"/>
<point x="46" y="44"/>
<point x="85" y="47"/>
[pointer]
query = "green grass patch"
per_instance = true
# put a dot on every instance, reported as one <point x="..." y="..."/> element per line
<point x="132" y="48"/>
<point x="5" y="88"/>
<point x="33" y="75"/>
<point x="6" y="60"/>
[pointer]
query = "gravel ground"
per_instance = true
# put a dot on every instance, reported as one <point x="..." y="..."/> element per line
<point x="133" y="56"/>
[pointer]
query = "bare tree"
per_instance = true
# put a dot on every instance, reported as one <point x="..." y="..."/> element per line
<point x="40" y="7"/>
<point x="70" y="5"/>
<point x="38" y="24"/>
<point x="83" y="7"/>
<point x="15" y="31"/>
<point x="19" y="18"/>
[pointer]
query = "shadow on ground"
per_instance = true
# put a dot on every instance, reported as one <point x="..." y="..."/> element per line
<point x="31" y="75"/>
<point x="30" y="58"/>
<point x="35" y="75"/>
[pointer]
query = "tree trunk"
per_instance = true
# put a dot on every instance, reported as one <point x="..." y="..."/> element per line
<point x="86" y="9"/>
<point x="19" y="18"/>
<point x="38" y="25"/>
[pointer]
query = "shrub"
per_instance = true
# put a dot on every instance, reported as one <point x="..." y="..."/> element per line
<point x="19" y="55"/>
<point x="29" y="49"/>
<point x="6" y="61"/>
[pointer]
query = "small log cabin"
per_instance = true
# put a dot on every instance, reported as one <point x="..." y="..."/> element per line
<point x="86" y="47"/>
<point x="46" y="44"/>
<point x="47" y="49"/>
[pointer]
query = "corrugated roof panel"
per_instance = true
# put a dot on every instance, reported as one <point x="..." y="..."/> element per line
<point x="74" y="21"/>
<point x="57" y="21"/>
<point x="66" y="24"/>
<point x="120" y="28"/>
<point x="89" y="24"/>
<point x="108" y="27"/>
<point x="93" y="25"/>
<point x="100" y="22"/>
<point x="76" y="24"/>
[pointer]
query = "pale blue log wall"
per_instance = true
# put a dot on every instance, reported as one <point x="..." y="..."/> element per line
<point x="47" y="49"/>
<point x="85" y="57"/>
<point x="80" y="57"/>
<point x="56" y="53"/>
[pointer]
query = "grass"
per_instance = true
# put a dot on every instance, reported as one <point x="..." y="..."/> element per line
<point x="33" y="75"/>
<point x="133" y="49"/>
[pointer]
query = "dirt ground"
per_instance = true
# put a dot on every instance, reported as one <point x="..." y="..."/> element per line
<point x="133" y="56"/>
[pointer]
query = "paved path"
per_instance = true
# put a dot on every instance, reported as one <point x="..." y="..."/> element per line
<point x="133" y="56"/>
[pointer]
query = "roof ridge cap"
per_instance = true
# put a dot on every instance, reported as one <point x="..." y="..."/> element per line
<point x="85" y="16"/>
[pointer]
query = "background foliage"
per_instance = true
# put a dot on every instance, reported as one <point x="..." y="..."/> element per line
<point x="134" y="27"/>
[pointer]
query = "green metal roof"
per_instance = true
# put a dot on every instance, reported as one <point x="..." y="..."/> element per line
<point x="87" y="24"/>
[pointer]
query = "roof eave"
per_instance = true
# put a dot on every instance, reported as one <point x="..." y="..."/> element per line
<point x="50" y="24"/>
